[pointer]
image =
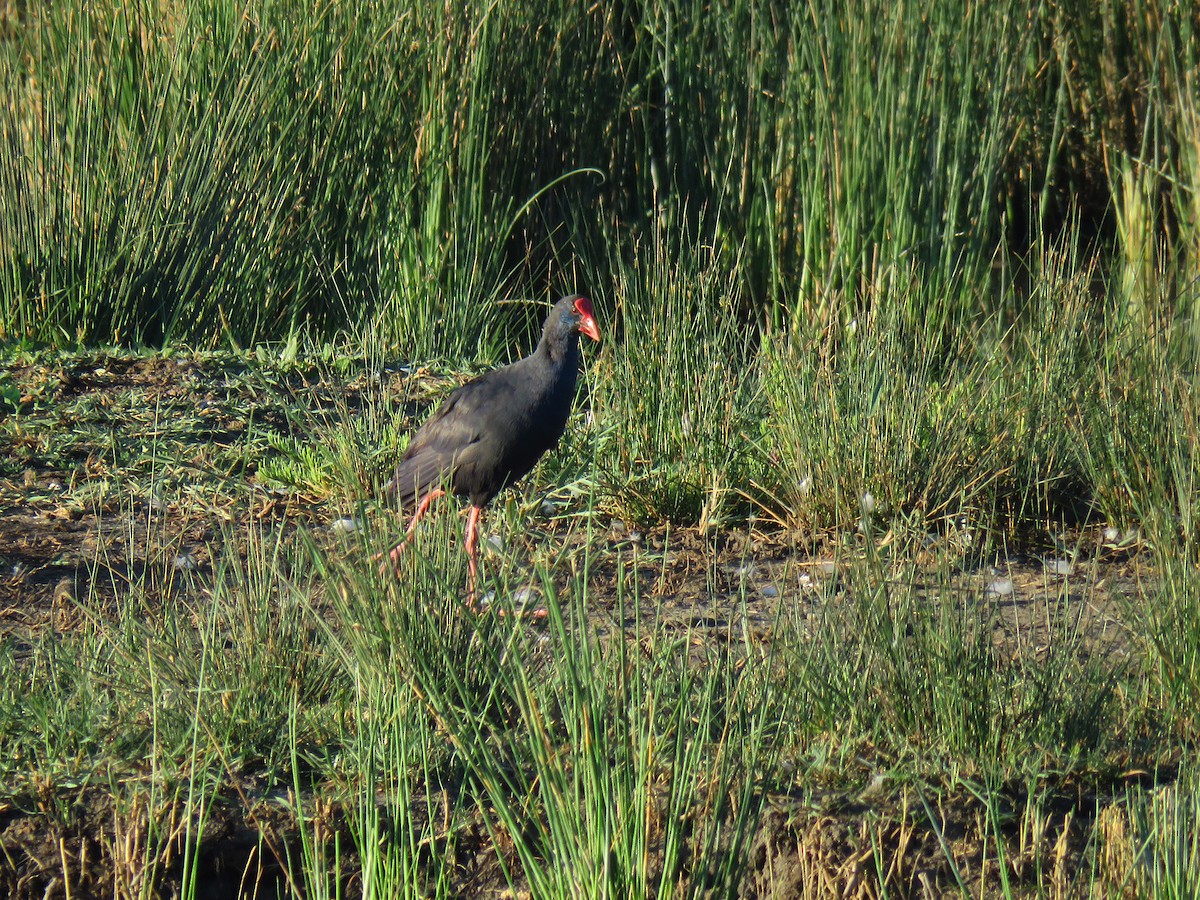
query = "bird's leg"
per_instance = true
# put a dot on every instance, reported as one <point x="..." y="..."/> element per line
<point x="426" y="502"/>
<point x="422" y="508"/>
<point x="472" y="545"/>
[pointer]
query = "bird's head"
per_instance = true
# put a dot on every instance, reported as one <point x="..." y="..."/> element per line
<point x="570" y="317"/>
<point x="584" y="319"/>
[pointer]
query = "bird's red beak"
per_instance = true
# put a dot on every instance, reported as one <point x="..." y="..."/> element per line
<point x="587" y="319"/>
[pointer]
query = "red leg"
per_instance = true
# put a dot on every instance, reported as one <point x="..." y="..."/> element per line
<point x="472" y="545"/>
<point x="426" y="502"/>
<point x="422" y="508"/>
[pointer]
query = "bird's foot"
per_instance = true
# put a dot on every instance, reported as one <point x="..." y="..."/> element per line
<point x="519" y="611"/>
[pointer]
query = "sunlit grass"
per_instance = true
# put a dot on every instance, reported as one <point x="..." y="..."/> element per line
<point x="911" y="291"/>
<point x="675" y="411"/>
<point x="213" y="171"/>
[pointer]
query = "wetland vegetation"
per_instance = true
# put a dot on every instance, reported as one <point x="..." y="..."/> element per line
<point x="869" y="556"/>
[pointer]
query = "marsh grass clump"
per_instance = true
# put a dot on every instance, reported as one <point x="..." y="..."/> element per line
<point x="678" y="414"/>
<point x="874" y="404"/>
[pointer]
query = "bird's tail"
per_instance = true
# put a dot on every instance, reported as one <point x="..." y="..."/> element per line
<point x="410" y="483"/>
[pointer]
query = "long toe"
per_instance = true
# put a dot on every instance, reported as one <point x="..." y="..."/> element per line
<point x="516" y="611"/>
<point x="391" y="559"/>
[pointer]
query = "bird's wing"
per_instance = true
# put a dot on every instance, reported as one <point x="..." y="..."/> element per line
<point x="443" y="442"/>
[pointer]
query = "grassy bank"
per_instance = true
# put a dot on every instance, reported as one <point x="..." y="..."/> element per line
<point x="205" y="672"/>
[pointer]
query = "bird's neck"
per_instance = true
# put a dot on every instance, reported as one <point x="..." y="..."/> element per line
<point x="561" y="353"/>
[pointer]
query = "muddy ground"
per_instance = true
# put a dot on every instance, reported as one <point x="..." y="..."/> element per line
<point x="149" y="428"/>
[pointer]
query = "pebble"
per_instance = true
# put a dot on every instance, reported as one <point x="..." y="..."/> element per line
<point x="1058" y="567"/>
<point x="525" y="597"/>
<point x="344" y="526"/>
<point x="1112" y="535"/>
<point x="185" y="562"/>
<point x="496" y="543"/>
<point x="770" y="592"/>
<point x="875" y="787"/>
<point x="999" y="587"/>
